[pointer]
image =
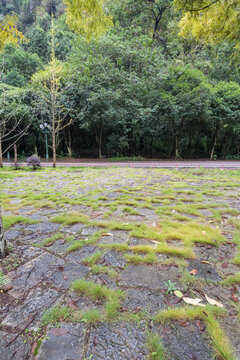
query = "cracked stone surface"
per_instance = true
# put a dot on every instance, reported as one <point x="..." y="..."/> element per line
<point x="148" y="277"/>
<point x="192" y="341"/>
<point x="118" y="341"/>
<point x="69" y="272"/>
<point x="65" y="342"/>
<point x="37" y="300"/>
<point x="40" y="275"/>
<point x="33" y="272"/>
<point x="205" y="271"/>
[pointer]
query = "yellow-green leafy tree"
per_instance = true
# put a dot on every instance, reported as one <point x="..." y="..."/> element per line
<point x="9" y="32"/>
<point x="211" y="20"/>
<point x="87" y="17"/>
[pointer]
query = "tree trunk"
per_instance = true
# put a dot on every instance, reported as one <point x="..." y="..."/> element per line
<point x="1" y="156"/>
<point x="3" y="242"/>
<point x="69" y="143"/>
<point x="176" y="148"/>
<point x="100" y="142"/>
<point x="213" y="148"/>
<point x="15" y="156"/>
<point x="35" y="150"/>
<point x="54" y="149"/>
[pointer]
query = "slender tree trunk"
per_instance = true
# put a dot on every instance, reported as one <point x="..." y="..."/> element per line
<point x="15" y="156"/>
<point x="1" y="156"/>
<point x="69" y="143"/>
<point x="3" y="242"/>
<point x="213" y="147"/>
<point x="100" y="142"/>
<point x="35" y="150"/>
<point x="176" y="147"/>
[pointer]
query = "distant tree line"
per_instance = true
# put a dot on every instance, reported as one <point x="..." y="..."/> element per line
<point x="138" y="90"/>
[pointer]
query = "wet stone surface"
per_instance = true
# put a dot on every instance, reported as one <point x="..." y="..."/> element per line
<point x="114" y="259"/>
<point x="148" y="277"/>
<point x="185" y="343"/>
<point x="65" y="342"/>
<point x="68" y="273"/>
<point x="142" y="300"/>
<point x="33" y="272"/>
<point x="85" y="251"/>
<point x="118" y="341"/>
<point x="17" y="350"/>
<point x="205" y="271"/>
<point x="37" y="300"/>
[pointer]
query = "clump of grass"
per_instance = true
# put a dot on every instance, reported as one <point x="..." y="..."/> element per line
<point x="52" y="239"/>
<point x="94" y="291"/>
<point x="231" y="280"/>
<point x="234" y="222"/>
<point x="91" y="260"/>
<point x="137" y="259"/>
<point x="76" y="245"/>
<point x="9" y="220"/>
<point x="99" y="269"/>
<point x="91" y="317"/>
<point x="112" y="308"/>
<point x="207" y="314"/>
<point x="156" y="348"/>
<point x="56" y="314"/>
<point x="236" y="239"/>
<point x="70" y="219"/>
<point x="130" y="211"/>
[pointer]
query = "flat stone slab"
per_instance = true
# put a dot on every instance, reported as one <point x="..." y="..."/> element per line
<point x="79" y="255"/>
<point x="33" y="272"/>
<point x="37" y="300"/>
<point x="114" y="259"/>
<point x="71" y="271"/>
<point x="17" y="350"/>
<point x="65" y="342"/>
<point x="88" y="231"/>
<point x="73" y="229"/>
<point x="205" y="271"/>
<point x="148" y="277"/>
<point x="185" y="343"/>
<point x="118" y="341"/>
<point x="11" y="235"/>
<point x="144" y="300"/>
<point x="46" y="227"/>
<point x="116" y="237"/>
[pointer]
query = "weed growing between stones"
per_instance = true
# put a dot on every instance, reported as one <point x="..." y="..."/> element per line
<point x="156" y="348"/>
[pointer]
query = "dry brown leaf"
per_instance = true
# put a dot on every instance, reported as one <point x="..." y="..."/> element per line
<point x="194" y="272"/>
<point x="204" y="232"/>
<point x="195" y="302"/>
<point x="206" y="262"/>
<point x="213" y="302"/>
<point x="107" y="234"/>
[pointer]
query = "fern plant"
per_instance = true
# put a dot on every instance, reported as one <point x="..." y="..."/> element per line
<point x="4" y="280"/>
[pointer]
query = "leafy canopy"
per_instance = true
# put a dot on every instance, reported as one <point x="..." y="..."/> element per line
<point x="9" y="32"/>
<point x="87" y="17"/>
<point x="213" y="21"/>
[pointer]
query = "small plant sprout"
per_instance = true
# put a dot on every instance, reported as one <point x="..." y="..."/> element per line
<point x="170" y="287"/>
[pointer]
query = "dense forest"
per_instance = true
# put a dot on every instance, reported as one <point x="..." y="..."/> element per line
<point x="139" y="89"/>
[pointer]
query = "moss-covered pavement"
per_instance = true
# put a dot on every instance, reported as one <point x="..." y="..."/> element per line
<point x="120" y="264"/>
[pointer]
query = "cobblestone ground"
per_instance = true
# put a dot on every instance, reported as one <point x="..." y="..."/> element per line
<point x="111" y="263"/>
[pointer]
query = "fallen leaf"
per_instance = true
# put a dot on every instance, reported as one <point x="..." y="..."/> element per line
<point x="206" y="262"/>
<point x="204" y="232"/>
<point x="200" y="325"/>
<point x="195" y="302"/>
<point x="154" y="241"/>
<point x="234" y="298"/>
<point x="95" y="341"/>
<point x="183" y="323"/>
<point x="194" y="272"/>
<point x="178" y="293"/>
<point x="107" y="234"/>
<point x="224" y="265"/>
<point x="72" y="304"/>
<point x="163" y="267"/>
<point x="34" y="347"/>
<point x="213" y="302"/>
